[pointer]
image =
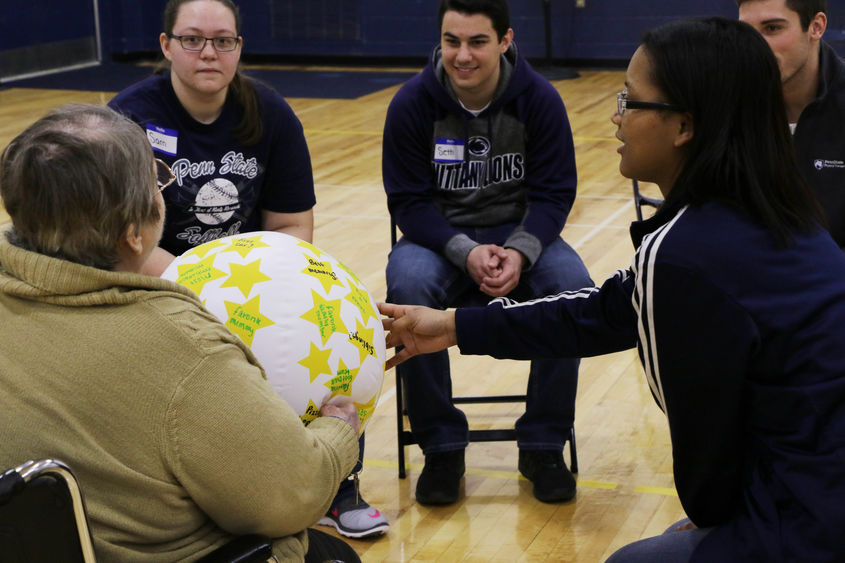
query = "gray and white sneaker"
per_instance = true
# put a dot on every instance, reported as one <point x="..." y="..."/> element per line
<point x="355" y="520"/>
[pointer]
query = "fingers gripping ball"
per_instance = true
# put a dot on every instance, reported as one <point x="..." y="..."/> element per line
<point x="309" y="320"/>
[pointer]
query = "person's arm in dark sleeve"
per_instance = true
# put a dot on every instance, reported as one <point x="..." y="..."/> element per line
<point x="573" y="324"/>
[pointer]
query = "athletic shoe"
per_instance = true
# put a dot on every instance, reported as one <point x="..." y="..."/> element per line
<point x="545" y="468"/>
<point x="355" y="520"/>
<point x="440" y="480"/>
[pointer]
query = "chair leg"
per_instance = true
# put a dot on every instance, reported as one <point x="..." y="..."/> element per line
<point x="573" y="456"/>
<point x="400" y="424"/>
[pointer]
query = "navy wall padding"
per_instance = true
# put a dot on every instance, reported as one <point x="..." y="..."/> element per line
<point x="45" y="35"/>
<point x="601" y="30"/>
<point x="24" y="24"/>
<point x="604" y="29"/>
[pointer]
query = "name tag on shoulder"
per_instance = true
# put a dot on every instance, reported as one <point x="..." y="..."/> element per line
<point x="162" y="140"/>
<point x="449" y="150"/>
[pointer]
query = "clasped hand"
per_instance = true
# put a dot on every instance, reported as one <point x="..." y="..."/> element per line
<point x="496" y="270"/>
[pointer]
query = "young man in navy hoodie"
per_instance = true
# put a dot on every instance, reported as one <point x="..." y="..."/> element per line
<point x="479" y="170"/>
<point x="813" y="78"/>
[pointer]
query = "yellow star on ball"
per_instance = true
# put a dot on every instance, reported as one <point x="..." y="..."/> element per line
<point x="244" y="276"/>
<point x="246" y="319"/>
<point x="361" y="299"/>
<point x="341" y="384"/>
<point x="323" y="273"/>
<point x="325" y="315"/>
<point x="195" y="276"/>
<point x="317" y="362"/>
<point x="351" y="273"/>
<point x="245" y="245"/>
<point x="366" y="409"/>
<point x="308" y="246"/>
<point x="312" y="411"/>
<point x="362" y="339"/>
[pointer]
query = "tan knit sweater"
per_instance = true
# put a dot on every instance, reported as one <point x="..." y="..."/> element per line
<point x="164" y="416"/>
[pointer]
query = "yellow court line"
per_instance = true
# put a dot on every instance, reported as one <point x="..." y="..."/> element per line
<point x="590" y="484"/>
<point x="584" y="483"/>
<point x="665" y="491"/>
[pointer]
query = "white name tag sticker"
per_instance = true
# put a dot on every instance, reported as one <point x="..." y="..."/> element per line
<point x="449" y="150"/>
<point x="162" y="140"/>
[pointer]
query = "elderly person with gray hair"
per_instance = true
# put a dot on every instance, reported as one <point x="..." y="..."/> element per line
<point x="164" y="415"/>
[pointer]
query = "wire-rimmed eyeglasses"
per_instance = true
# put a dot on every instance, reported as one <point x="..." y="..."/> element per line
<point x="197" y="42"/>
<point x="623" y="103"/>
<point x="164" y="175"/>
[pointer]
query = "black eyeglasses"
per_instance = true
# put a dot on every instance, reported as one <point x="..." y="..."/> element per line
<point x="623" y="103"/>
<point x="197" y="42"/>
<point x="164" y="175"/>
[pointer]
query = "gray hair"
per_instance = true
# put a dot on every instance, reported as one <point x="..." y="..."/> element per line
<point x="74" y="183"/>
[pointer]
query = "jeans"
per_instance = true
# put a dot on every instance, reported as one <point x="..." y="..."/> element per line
<point x="669" y="547"/>
<point x="419" y="276"/>
<point x="347" y="486"/>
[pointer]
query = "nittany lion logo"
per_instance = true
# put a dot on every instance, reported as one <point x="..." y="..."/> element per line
<point x="818" y="163"/>
<point x="478" y="146"/>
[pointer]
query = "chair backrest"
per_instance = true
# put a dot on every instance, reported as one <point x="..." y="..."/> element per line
<point x="640" y="200"/>
<point x="42" y="515"/>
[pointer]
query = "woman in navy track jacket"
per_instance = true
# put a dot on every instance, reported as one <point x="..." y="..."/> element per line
<point x="735" y="299"/>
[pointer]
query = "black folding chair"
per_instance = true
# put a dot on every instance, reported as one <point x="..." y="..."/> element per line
<point x="640" y="200"/>
<point x="43" y="518"/>
<point x="406" y="437"/>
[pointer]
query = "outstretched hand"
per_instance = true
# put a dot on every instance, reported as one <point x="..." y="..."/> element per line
<point x="420" y="330"/>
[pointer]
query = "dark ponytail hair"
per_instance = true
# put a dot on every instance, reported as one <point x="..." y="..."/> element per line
<point x="250" y="129"/>
<point x="726" y="76"/>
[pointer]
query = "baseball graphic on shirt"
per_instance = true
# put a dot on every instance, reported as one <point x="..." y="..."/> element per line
<point x="216" y="201"/>
<point x="310" y="321"/>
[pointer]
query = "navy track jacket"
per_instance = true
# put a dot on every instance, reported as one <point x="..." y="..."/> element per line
<point x="743" y="346"/>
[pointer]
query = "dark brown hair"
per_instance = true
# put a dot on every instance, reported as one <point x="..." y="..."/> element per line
<point x="250" y="129"/>
<point x="806" y="9"/>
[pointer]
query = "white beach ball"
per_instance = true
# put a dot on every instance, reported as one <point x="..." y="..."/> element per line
<point x="309" y="320"/>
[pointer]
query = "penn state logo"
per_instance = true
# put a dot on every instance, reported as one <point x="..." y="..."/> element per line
<point x="478" y="146"/>
<point x="818" y="163"/>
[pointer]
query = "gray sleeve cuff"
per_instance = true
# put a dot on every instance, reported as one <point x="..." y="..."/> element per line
<point x="457" y="250"/>
<point x="526" y="243"/>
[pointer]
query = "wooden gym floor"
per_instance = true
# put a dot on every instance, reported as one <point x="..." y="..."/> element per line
<point x="625" y="486"/>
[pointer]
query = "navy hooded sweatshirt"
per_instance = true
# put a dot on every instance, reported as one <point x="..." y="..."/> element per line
<point x="447" y="171"/>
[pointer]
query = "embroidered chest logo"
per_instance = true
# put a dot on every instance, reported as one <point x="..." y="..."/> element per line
<point x="478" y="146"/>
<point x="821" y="164"/>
